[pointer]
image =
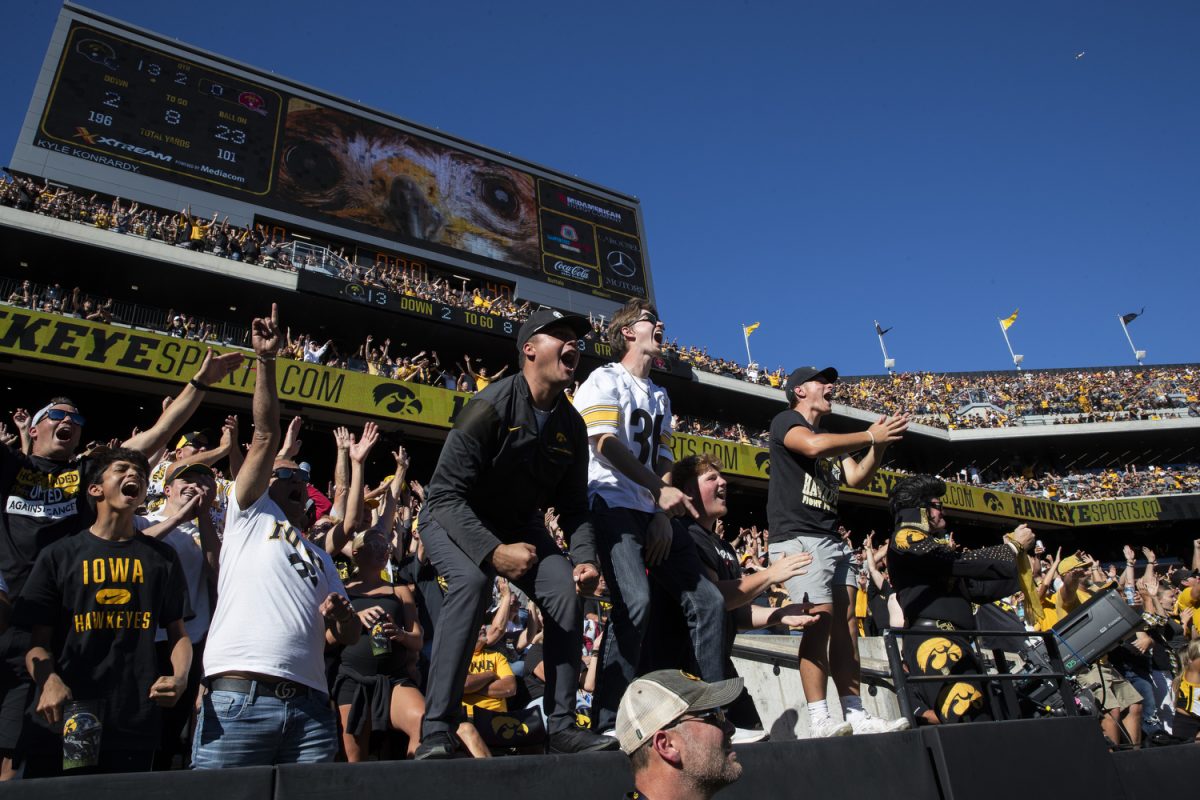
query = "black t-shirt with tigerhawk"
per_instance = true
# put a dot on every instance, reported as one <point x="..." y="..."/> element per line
<point x="105" y="600"/>
<point x="802" y="493"/>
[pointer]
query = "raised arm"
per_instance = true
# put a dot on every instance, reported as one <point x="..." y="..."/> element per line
<point x="872" y="567"/>
<point x="825" y="445"/>
<point x="291" y="440"/>
<point x="260" y="460"/>
<point x="213" y="369"/>
<point x="359" y="451"/>
<point x="391" y="501"/>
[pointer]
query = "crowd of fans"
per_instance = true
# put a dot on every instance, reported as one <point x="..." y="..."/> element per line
<point x="376" y="357"/>
<point x="1136" y="684"/>
<point x="1107" y="483"/>
<point x="195" y="492"/>
<point x="1005" y="399"/>
<point x="997" y="399"/>
<point x="189" y="488"/>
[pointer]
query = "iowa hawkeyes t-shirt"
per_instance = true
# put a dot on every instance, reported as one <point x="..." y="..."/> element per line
<point x="42" y="504"/>
<point x="802" y="494"/>
<point x="105" y="601"/>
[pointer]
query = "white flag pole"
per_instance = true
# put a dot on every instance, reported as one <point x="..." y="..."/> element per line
<point x="1004" y="331"/>
<point x="888" y="363"/>
<point x="1138" y="355"/>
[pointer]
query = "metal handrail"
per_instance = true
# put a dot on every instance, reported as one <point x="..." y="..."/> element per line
<point x="1003" y="678"/>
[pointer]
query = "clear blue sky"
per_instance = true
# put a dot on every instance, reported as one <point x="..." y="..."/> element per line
<point x="812" y="166"/>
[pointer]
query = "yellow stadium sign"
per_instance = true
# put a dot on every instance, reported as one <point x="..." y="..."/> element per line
<point x="93" y="345"/>
<point x="109" y="348"/>
<point x="749" y="461"/>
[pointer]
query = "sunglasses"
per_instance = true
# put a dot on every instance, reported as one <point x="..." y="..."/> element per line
<point x="938" y="506"/>
<point x="286" y="473"/>
<point x="58" y="415"/>
<point x="714" y="716"/>
<point x="648" y="317"/>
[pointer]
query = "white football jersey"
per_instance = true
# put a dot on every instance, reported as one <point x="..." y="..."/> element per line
<point x="638" y="413"/>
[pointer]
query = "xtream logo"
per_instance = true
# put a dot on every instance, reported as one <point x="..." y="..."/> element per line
<point x="108" y="141"/>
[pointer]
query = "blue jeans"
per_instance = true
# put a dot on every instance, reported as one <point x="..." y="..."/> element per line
<point x="620" y="536"/>
<point x="241" y="730"/>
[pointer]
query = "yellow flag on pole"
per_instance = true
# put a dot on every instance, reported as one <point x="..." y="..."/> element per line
<point x="1007" y="322"/>
<point x="749" y="329"/>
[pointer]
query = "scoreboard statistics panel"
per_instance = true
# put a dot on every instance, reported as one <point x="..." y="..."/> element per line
<point x="122" y="99"/>
<point x="180" y="117"/>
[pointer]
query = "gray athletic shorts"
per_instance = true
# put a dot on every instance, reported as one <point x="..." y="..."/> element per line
<point x="831" y="566"/>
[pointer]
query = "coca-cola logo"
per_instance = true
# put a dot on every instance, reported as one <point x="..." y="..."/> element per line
<point x="572" y="271"/>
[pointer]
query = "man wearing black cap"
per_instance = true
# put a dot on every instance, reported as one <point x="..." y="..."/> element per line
<point x="518" y="447"/>
<point x="672" y="726"/>
<point x="807" y="466"/>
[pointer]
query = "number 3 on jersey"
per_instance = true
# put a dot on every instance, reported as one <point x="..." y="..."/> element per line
<point x="647" y="435"/>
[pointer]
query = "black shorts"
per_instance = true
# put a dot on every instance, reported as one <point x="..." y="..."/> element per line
<point x="1185" y="726"/>
<point x="345" y="693"/>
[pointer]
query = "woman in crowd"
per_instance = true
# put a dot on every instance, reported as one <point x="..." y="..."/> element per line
<point x="376" y="686"/>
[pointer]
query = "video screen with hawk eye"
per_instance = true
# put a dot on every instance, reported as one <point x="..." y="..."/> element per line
<point x="165" y="112"/>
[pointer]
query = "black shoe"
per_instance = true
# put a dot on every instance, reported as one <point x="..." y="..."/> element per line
<point x="580" y="740"/>
<point x="441" y="744"/>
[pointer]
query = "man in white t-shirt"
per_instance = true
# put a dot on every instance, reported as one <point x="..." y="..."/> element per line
<point x="193" y="448"/>
<point x="628" y="420"/>
<point x="184" y="523"/>
<point x="278" y="594"/>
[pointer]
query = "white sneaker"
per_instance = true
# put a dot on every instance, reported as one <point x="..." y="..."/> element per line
<point x="747" y="735"/>
<point x="865" y="723"/>
<point x="829" y="727"/>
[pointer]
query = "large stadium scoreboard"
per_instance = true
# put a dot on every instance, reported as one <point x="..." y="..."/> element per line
<point x="123" y="111"/>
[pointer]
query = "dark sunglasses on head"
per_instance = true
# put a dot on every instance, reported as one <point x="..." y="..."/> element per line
<point x="58" y="415"/>
<point x="714" y="716"/>
<point x="286" y="473"/>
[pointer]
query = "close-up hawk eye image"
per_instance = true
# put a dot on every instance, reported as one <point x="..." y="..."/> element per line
<point x="383" y="178"/>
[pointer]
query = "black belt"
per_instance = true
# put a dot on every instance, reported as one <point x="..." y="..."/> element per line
<point x="280" y="690"/>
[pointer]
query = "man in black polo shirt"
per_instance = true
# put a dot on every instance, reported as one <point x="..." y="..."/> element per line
<point x="517" y="448"/>
<point x="807" y="466"/>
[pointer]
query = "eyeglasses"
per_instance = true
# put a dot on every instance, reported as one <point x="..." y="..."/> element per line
<point x="938" y="506"/>
<point x="58" y="415"/>
<point x="714" y="716"/>
<point x="286" y="473"/>
<point x="648" y="317"/>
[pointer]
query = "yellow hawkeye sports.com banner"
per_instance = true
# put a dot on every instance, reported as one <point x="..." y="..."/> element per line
<point x="109" y="348"/>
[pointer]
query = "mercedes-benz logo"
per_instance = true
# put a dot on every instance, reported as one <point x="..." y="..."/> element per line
<point x="622" y="263"/>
